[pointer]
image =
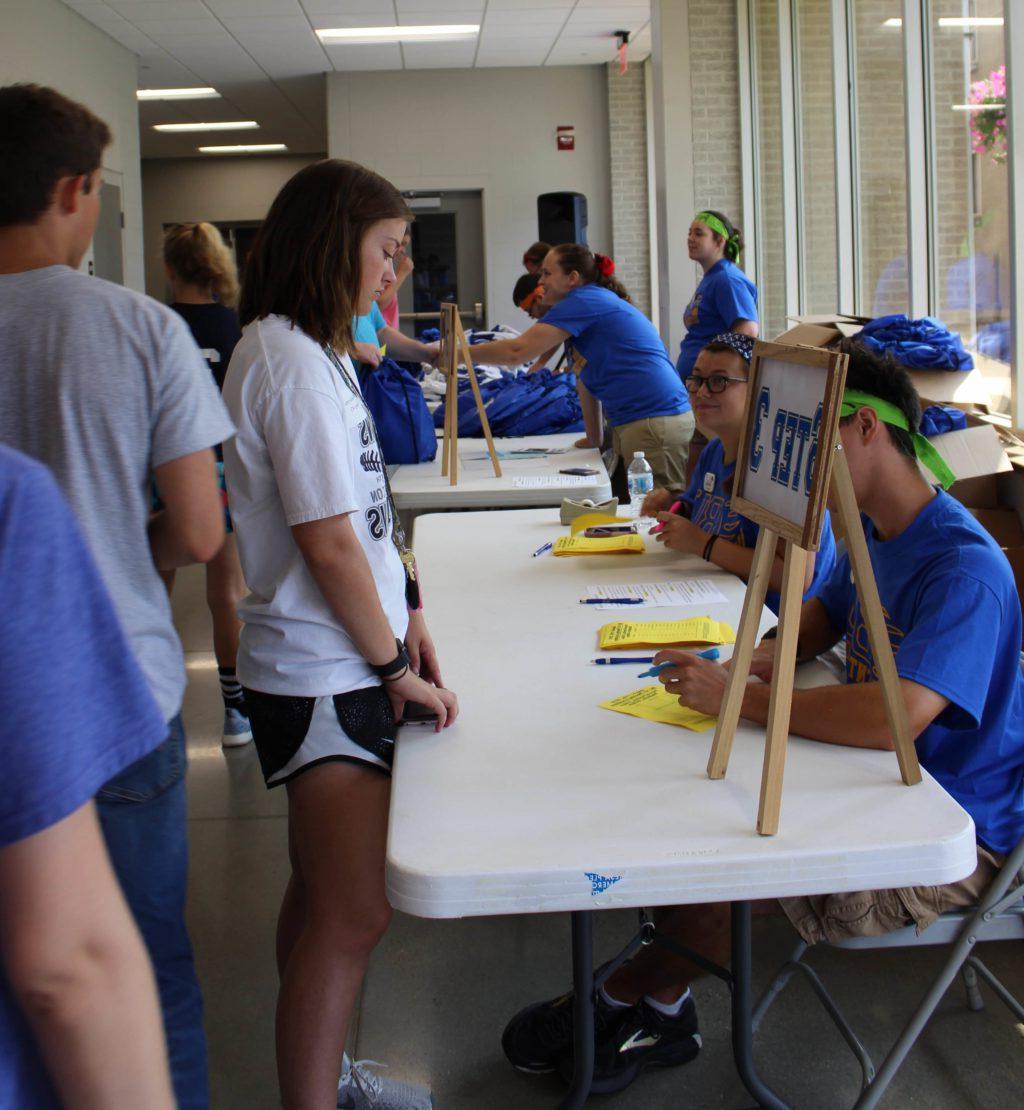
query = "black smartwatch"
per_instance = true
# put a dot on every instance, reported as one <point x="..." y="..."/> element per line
<point x="397" y="665"/>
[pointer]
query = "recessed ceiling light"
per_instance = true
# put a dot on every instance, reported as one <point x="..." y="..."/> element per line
<point x="442" y="32"/>
<point x="223" y="125"/>
<point x="250" y="148"/>
<point x="200" y="93"/>
<point x="970" y="21"/>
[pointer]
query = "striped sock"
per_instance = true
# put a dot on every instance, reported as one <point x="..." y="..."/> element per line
<point x="231" y="689"/>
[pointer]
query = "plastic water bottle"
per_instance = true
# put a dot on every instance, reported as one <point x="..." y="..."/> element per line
<point x="640" y="479"/>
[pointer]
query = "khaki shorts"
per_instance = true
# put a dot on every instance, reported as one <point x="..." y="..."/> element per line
<point x="665" y="442"/>
<point x="873" y="913"/>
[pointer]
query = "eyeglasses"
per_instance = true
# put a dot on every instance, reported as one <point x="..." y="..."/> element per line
<point x="716" y="383"/>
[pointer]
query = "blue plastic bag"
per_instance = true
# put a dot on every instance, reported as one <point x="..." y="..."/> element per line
<point x="404" y="425"/>
<point x="936" y="420"/>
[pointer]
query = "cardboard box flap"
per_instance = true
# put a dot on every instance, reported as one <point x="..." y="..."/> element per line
<point x="1003" y="525"/>
<point x="809" y="335"/>
<point x="944" y="387"/>
<point x="971" y="453"/>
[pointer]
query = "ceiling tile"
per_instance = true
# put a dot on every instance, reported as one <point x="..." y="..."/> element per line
<point x="243" y="9"/>
<point x="359" y="58"/>
<point x="441" y="55"/>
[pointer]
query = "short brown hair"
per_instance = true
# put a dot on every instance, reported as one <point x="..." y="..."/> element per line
<point x="535" y="254"/>
<point x="44" y="136"/>
<point x="304" y="263"/>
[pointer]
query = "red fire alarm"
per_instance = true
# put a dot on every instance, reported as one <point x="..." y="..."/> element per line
<point x="566" y="137"/>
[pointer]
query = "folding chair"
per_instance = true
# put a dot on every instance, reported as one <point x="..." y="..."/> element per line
<point x="999" y="915"/>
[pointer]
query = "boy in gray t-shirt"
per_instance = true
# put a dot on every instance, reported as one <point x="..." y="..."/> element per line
<point x="108" y="389"/>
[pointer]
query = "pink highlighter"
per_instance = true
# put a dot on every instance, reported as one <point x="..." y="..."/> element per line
<point x="660" y="526"/>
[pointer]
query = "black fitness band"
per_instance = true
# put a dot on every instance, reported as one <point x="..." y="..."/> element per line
<point x="399" y="663"/>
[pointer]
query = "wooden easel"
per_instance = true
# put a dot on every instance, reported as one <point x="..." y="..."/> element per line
<point x="831" y="481"/>
<point x="454" y="346"/>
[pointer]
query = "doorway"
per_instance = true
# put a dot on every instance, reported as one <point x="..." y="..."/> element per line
<point x="448" y="255"/>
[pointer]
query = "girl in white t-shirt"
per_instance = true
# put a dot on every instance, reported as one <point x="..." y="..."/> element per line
<point x="333" y="643"/>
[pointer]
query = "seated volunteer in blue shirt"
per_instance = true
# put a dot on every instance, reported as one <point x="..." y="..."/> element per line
<point x="370" y="332"/>
<point x="725" y="299"/>
<point x="705" y="524"/>
<point x="79" y="1019"/>
<point x="954" y="621"/>
<point x="618" y="356"/>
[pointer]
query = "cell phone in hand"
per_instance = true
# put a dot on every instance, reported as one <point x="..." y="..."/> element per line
<point x="418" y="714"/>
<point x="599" y="531"/>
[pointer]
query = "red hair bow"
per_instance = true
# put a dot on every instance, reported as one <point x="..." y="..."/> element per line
<point x="605" y="266"/>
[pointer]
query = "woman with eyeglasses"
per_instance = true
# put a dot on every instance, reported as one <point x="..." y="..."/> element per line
<point x="704" y="523"/>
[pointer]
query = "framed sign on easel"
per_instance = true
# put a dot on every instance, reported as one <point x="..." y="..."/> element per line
<point x="790" y="463"/>
<point x="455" y="347"/>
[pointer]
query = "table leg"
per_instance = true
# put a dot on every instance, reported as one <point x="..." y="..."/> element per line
<point x="583" y="1015"/>
<point x="742" y="1029"/>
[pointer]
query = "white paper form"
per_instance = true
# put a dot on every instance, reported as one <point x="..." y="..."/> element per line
<point x="553" y="481"/>
<point x="685" y="591"/>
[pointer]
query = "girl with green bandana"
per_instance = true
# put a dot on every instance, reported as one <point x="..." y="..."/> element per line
<point x="726" y="299"/>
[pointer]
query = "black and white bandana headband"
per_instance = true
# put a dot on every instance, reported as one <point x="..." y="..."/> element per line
<point x="743" y="345"/>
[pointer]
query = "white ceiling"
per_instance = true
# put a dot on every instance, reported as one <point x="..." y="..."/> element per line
<point x="266" y="61"/>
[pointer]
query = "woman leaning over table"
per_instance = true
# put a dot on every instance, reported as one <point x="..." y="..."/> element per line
<point x="333" y="641"/>
<point x="622" y="367"/>
<point x="705" y="522"/>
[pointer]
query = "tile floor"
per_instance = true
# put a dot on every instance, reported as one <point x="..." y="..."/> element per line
<point x="438" y="993"/>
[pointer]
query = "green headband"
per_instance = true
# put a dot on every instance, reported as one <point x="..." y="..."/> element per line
<point x="732" y="246"/>
<point x="854" y="399"/>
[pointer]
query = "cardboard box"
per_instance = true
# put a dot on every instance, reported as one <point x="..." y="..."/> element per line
<point x="1004" y="522"/>
<point x="943" y="387"/>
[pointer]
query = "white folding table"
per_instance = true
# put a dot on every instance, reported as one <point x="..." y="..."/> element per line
<point x="524" y="481"/>
<point x="536" y="800"/>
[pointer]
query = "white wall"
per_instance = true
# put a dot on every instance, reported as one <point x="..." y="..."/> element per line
<point x="44" y="42"/>
<point x="185" y="190"/>
<point x="489" y="129"/>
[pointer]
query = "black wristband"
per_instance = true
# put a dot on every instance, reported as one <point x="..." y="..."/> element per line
<point x="400" y="662"/>
<point x="708" y="546"/>
<point x="771" y="634"/>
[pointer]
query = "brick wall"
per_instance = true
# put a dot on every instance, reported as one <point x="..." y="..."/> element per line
<point x="627" y="133"/>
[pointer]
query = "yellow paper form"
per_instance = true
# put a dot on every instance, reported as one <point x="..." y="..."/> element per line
<point x="655" y="703"/>
<point x="608" y="545"/>
<point x="591" y="520"/>
<point x="638" y="634"/>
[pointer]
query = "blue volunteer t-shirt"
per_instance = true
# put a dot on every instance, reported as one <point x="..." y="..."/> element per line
<point x="618" y="355"/>
<point x="725" y="294"/>
<point x="365" y="328"/>
<point x="708" y="497"/>
<point x="955" y="625"/>
<point x="75" y="709"/>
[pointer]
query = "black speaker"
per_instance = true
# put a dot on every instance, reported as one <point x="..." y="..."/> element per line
<point x="562" y="218"/>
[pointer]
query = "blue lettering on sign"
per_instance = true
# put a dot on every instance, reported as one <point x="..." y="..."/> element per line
<point x="762" y="410"/>
<point x="794" y="444"/>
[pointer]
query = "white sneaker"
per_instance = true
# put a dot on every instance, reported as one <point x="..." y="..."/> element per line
<point x="360" y="1089"/>
<point x="237" y="730"/>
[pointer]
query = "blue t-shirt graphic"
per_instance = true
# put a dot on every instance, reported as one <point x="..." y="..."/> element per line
<point x="618" y="355"/>
<point x="708" y="498"/>
<point x="725" y="294"/>
<point x="75" y="709"/>
<point x="954" y="622"/>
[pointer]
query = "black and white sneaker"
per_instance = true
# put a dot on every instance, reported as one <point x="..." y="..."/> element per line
<point x="539" y="1038"/>
<point x="647" y="1039"/>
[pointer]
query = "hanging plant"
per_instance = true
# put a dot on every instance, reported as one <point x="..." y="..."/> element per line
<point x="988" y="126"/>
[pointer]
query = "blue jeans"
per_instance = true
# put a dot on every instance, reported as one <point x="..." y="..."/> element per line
<point x="142" y="813"/>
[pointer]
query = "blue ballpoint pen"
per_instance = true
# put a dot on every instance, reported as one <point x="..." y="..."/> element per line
<point x="711" y="653"/>
<point x="611" y="601"/>
<point x="541" y="550"/>
<point x="623" y="659"/>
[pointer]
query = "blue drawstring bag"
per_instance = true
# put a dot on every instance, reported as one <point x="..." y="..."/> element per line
<point x="925" y="344"/>
<point x="404" y="425"/>
<point x="936" y="420"/>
